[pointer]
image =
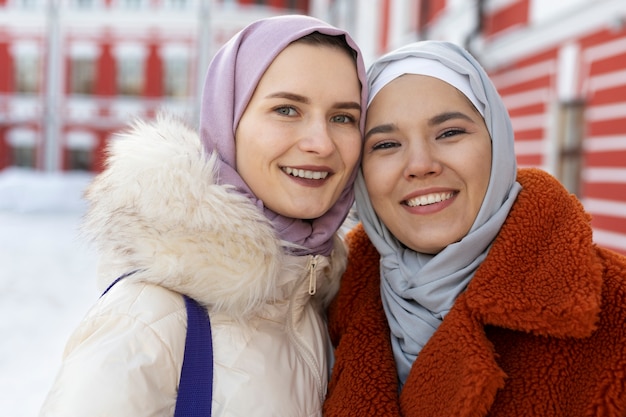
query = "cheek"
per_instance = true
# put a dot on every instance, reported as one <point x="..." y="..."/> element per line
<point x="241" y="149"/>
<point x="482" y="173"/>
<point x="486" y="156"/>
<point x="351" y="152"/>
<point x="347" y="149"/>
<point x="247" y="153"/>
<point x="376" y="177"/>
<point x="482" y="187"/>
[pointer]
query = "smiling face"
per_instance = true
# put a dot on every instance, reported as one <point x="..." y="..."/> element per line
<point x="298" y="140"/>
<point x="426" y="161"/>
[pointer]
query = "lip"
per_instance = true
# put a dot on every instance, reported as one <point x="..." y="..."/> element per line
<point x="432" y="207"/>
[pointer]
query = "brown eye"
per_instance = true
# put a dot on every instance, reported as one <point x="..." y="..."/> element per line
<point x="385" y="145"/>
<point x="450" y="133"/>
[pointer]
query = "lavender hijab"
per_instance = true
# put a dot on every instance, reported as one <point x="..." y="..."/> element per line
<point x="418" y="289"/>
<point x="231" y="79"/>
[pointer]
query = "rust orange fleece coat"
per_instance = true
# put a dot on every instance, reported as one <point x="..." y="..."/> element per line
<point x="540" y="330"/>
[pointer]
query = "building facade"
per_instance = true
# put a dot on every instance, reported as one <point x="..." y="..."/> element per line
<point x="560" y="67"/>
<point x="73" y="72"/>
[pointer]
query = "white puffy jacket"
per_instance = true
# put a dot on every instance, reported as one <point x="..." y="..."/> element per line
<point x="157" y="210"/>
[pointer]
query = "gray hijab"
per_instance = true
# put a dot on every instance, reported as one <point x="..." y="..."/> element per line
<point x="418" y="289"/>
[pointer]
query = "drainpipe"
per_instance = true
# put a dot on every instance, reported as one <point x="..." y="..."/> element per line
<point x="205" y="41"/>
<point x="478" y="28"/>
<point x="52" y="95"/>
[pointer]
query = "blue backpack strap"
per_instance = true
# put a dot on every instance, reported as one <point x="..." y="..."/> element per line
<point x="195" y="392"/>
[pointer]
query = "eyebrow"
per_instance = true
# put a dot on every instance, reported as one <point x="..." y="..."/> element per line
<point x="443" y="117"/>
<point x="386" y="128"/>
<point x="302" y="99"/>
<point x="289" y="96"/>
<point x="433" y="121"/>
<point x="348" y="105"/>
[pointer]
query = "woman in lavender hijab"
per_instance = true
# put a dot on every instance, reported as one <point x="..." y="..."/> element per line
<point x="242" y="217"/>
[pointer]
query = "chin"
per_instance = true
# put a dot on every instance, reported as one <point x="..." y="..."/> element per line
<point x="304" y="214"/>
<point x="312" y="216"/>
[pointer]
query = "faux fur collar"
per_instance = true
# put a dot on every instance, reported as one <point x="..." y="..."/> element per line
<point x="156" y="209"/>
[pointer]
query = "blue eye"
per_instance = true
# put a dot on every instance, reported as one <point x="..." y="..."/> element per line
<point x="286" y="110"/>
<point x="343" y="118"/>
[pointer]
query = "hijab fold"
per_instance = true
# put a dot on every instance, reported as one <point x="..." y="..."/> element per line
<point x="417" y="289"/>
<point x="231" y="79"/>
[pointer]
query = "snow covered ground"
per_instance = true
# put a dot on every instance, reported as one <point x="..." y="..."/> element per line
<point x="47" y="281"/>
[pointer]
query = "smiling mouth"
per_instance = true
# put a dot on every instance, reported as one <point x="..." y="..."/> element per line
<point x="304" y="173"/>
<point x="425" y="200"/>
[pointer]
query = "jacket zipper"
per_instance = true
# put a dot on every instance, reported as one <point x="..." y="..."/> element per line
<point x="312" y="275"/>
<point x="305" y="352"/>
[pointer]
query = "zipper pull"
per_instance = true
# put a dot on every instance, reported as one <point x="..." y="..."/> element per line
<point x="312" y="276"/>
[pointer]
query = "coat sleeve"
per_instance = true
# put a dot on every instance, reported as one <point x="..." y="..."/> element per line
<point x="123" y="360"/>
<point x="364" y="378"/>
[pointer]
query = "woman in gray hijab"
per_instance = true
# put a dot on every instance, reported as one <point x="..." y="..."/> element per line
<point x="473" y="288"/>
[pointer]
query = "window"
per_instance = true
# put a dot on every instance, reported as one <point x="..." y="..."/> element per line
<point x="79" y="159"/>
<point x="27" y="73"/>
<point x="22" y="141"/>
<point x="129" y="62"/>
<point x="570" y="135"/>
<point x="79" y="149"/>
<point x="82" y="75"/>
<point x="176" y="70"/>
<point x="130" y="76"/>
<point x="23" y="156"/>
<point x="176" y="61"/>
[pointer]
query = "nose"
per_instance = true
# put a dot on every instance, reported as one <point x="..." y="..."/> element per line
<point x="316" y="138"/>
<point x="422" y="160"/>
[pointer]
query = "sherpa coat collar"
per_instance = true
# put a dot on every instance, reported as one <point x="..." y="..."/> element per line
<point x="157" y="209"/>
<point x="535" y="333"/>
<point x="542" y="275"/>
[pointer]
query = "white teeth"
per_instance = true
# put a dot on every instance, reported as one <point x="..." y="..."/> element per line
<point x="425" y="200"/>
<point x="302" y="173"/>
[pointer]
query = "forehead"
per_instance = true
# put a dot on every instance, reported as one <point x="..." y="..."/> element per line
<point x="413" y="94"/>
<point x="312" y="70"/>
<point x="299" y="56"/>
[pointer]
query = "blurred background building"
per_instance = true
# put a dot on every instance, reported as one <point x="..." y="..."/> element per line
<point x="73" y="72"/>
